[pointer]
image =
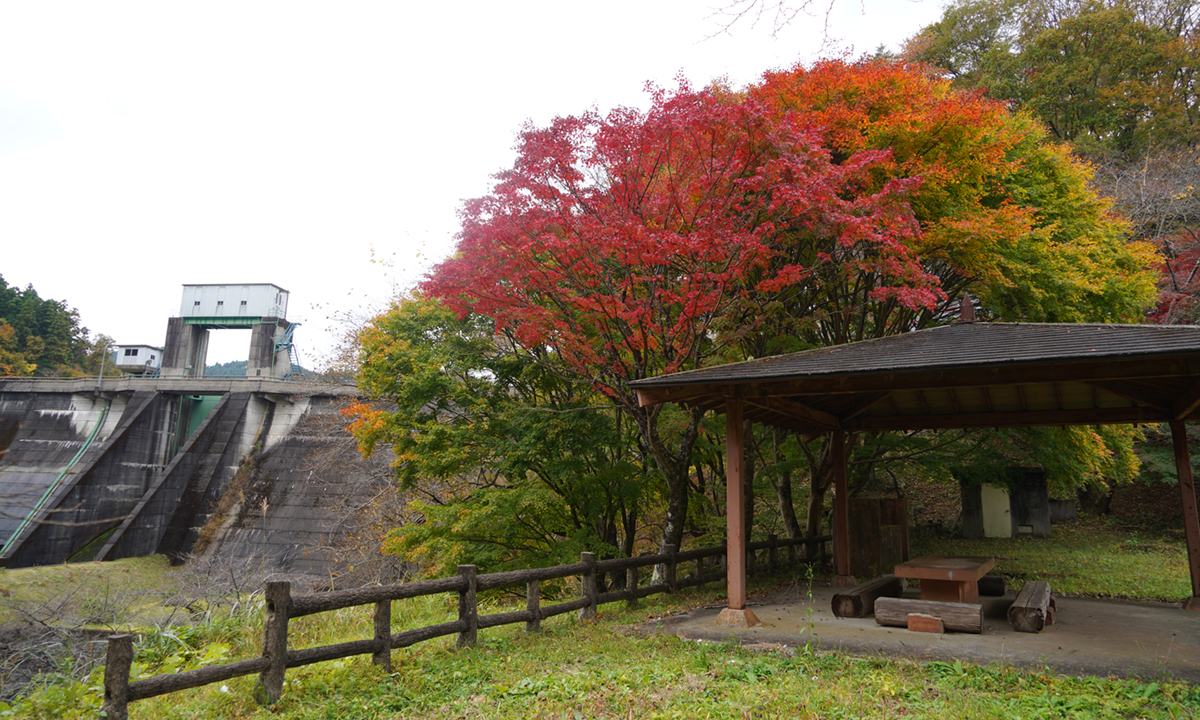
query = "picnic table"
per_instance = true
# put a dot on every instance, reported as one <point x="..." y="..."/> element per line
<point x="947" y="578"/>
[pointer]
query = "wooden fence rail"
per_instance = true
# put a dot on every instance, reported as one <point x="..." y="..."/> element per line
<point x="281" y="607"/>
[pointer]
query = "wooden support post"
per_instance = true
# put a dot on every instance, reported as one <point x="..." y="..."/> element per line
<point x="735" y="542"/>
<point x="699" y="572"/>
<point x="269" y="686"/>
<point x="631" y="583"/>
<point x="773" y="552"/>
<point x="589" y="591"/>
<point x="1191" y="521"/>
<point x="383" y="635"/>
<point x="116" y="677"/>
<point x="533" y="603"/>
<point x="468" y="608"/>
<point x="841" y="512"/>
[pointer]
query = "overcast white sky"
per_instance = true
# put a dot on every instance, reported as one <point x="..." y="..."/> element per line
<point x="145" y="145"/>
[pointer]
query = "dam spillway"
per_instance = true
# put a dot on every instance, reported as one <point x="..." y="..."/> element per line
<point x="129" y="466"/>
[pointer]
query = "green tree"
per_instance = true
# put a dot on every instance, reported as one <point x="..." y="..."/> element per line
<point x="1114" y="76"/>
<point x="12" y="361"/>
<point x="513" y="466"/>
<point x="46" y="333"/>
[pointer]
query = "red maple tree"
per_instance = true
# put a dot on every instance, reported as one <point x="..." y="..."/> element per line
<point x="631" y="245"/>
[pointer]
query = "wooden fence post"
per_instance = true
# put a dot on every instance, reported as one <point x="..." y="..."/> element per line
<point x="383" y="635"/>
<point x="533" y="603"/>
<point x="672" y="566"/>
<point x="791" y="555"/>
<point x="699" y="572"/>
<point x="588" y="581"/>
<point x="468" y="610"/>
<point x="631" y="582"/>
<point x="773" y="552"/>
<point x="116" y="677"/>
<point x="269" y="687"/>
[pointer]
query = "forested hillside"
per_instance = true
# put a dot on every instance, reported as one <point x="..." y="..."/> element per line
<point x="1117" y="81"/>
<point x="43" y="337"/>
<point x="237" y="368"/>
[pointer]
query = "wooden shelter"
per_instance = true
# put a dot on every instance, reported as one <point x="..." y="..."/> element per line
<point x="966" y="375"/>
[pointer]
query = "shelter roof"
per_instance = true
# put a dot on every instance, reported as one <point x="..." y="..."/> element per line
<point x="961" y="375"/>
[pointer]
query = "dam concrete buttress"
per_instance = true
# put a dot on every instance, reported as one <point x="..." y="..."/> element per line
<point x="148" y="465"/>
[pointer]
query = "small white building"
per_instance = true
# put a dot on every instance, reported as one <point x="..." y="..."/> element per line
<point x="138" y="359"/>
<point x="256" y="300"/>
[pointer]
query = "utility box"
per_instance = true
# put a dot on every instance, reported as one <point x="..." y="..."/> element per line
<point x="234" y="301"/>
<point x="138" y="359"/>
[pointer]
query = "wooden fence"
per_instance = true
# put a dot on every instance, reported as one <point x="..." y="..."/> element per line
<point x="281" y="607"/>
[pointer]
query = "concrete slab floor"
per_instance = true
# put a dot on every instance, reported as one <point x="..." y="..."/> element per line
<point x="1089" y="637"/>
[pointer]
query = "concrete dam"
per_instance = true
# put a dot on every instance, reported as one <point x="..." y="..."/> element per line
<point x="132" y="466"/>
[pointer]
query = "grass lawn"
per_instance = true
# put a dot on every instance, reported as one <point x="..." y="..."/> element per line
<point x="1087" y="557"/>
<point x="603" y="670"/>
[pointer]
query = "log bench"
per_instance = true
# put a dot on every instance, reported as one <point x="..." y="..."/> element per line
<point x="992" y="586"/>
<point x="859" y="601"/>
<point x="917" y="615"/>
<point x="1033" y="609"/>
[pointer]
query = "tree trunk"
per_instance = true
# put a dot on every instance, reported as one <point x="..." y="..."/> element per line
<point x="783" y="489"/>
<point x="820" y="473"/>
<point x="816" y="507"/>
<point x="629" y="523"/>
<point x="674" y="467"/>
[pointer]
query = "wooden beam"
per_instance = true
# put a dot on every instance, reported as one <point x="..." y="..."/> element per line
<point x="796" y="410"/>
<point x="682" y="393"/>
<point x="1012" y="374"/>
<point x="1187" y="402"/>
<point x="866" y="404"/>
<point x="950" y="421"/>
<point x="1132" y="394"/>
<point x="1191" y="521"/>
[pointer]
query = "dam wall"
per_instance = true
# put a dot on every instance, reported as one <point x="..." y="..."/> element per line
<point x="137" y="466"/>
